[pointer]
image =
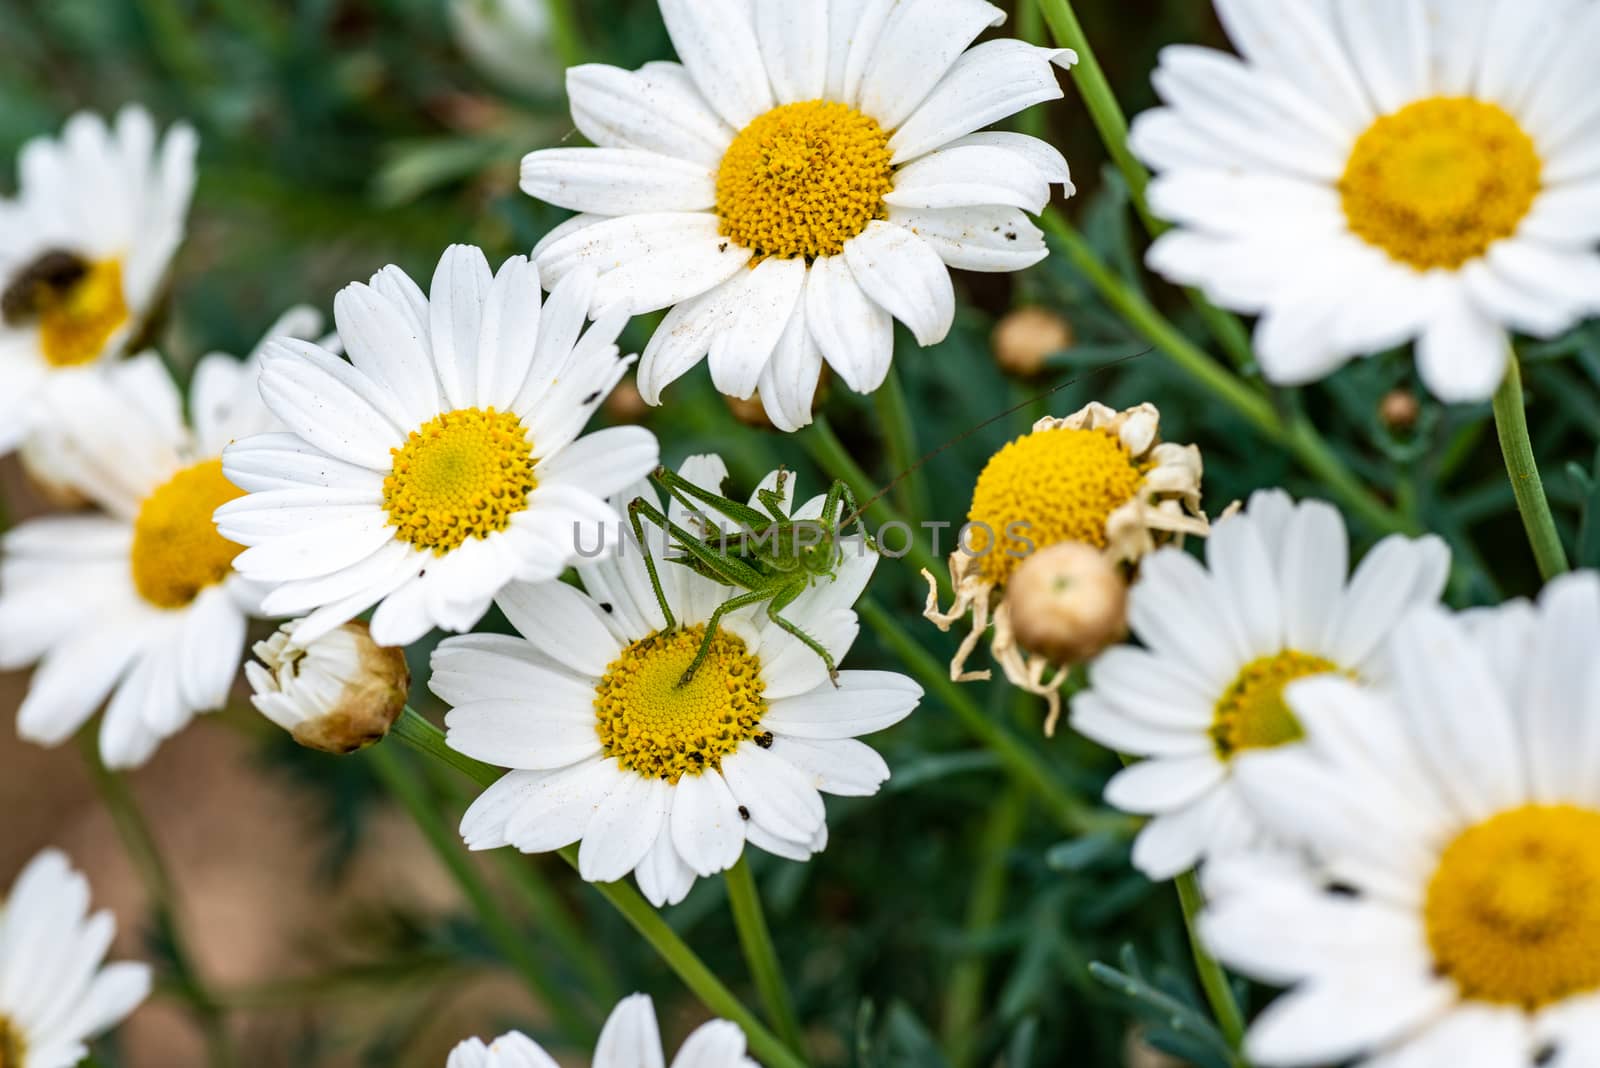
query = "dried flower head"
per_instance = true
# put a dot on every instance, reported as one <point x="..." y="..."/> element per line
<point x="1099" y="478"/>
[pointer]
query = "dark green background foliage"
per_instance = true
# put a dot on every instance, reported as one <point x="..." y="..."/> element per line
<point x="341" y="136"/>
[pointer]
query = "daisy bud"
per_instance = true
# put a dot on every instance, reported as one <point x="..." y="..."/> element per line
<point x="1399" y="409"/>
<point x="756" y="412"/>
<point x="1027" y="337"/>
<point x="339" y="694"/>
<point x="625" y="404"/>
<point x="1068" y="602"/>
<point x="750" y="412"/>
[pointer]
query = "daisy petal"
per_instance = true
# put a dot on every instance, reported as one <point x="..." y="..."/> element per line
<point x="919" y="42"/>
<point x="616" y="181"/>
<point x="656" y="109"/>
<point x="716" y="39"/>
<point x="902" y="274"/>
<point x="794" y="45"/>
<point x="988" y="83"/>
<point x="854" y="333"/>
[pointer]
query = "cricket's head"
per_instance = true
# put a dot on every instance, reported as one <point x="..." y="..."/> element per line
<point x="818" y="559"/>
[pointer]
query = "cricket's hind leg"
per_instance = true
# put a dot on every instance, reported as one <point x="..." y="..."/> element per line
<point x="775" y="613"/>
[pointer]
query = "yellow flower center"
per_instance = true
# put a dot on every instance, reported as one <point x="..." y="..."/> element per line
<point x="803" y="179"/>
<point x="177" y="551"/>
<point x="77" y="304"/>
<point x="1513" y="911"/>
<point x="1438" y="182"/>
<point x="1252" y="714"/>
<point x="11" y="1047"/>
<point x="1048" y="487"/>
<point x="661" y="727"/>
<point x="463" y="474"/>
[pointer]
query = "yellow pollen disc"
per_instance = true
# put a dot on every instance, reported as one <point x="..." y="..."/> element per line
<point x="1063" y="484"/>
<point x="1513" y="911"/>
<point x="177" y="551"/>
<point x="664" y="730"/>
<point x="1252" y="714"/>
<point x="76" y="322"/>
<point x="803" y="179"/>
<point x="1438" y="182"/>
<point x="464" y="474"/>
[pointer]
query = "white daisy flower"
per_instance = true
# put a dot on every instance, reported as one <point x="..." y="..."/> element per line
<point x="84" y="251"/>
<point x="807" y="175"/>
<point x="631" y="1038"/>
<point x="665" y="780"/>
<point x="56" y="993"/>
<point x="1373" y="172"/>
<point x="1453" y="912"/>
<point x="1274" y="602"/>
<point x="142" y="599"/>
<point x="441" y="462"/>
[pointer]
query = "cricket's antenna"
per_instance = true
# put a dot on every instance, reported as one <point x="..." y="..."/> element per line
<point x="959" y="438"/>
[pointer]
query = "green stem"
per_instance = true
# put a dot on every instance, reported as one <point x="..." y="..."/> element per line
<point x="900" y="438"/>
<point x="1160" y="332"/>
<point x="1219" y="992"/>
<point x="356" y="983"/>
<point x="831" y="455"/>
<point x="169" y="30"/>
<point x="551" y="915"/>
<point x="765" y="1047"/>
<point x="547" y="911"/>
<point x="1112" y="124"/>
<point x="145" y="855"/>
<point x="1030" y="28"/>
<point x="1021" y="760"/>
<point x="963" y="1009"/>
<point x="577" y="1025"/>
<point x="755" y="938"/>
<point x="1299" y="437"/>
<point x="1511" y="423"/>
<point x="565" y="34"/>
<point x="1104" y="111"/>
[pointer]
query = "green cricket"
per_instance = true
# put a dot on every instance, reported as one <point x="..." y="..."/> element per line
<point x="777" y="558"/>
<point x="771" y="558"/>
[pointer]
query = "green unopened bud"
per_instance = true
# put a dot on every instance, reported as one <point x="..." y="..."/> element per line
<point x="338" y="694"/>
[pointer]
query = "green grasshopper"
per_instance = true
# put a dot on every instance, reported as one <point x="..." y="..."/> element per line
<point x="777" y="558"/>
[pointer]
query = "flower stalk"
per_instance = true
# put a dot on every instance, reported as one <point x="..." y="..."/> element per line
<point x="1213" y="979"/>
<point x="145" y="856"/>
<point x="1020" y="759"/>
<point x="565" y="34"/>
<point x="963" y="1000"/>
<point x="574" y="1022"/>
<point x="765" y="1046"/>
<point x="831" y="455"/>
<point x="1112" y="123"/>
<point x="900" y="439"/>
<point x="755" y="939"/>
<point x="1298" y="436"/>
<point x="1511" y="423"/>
